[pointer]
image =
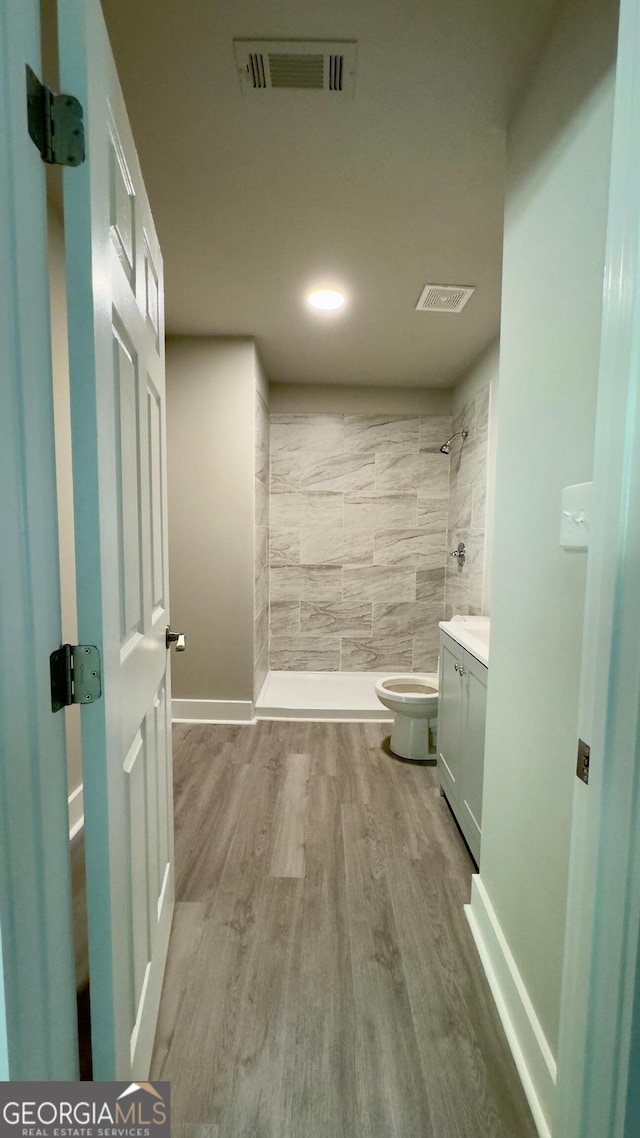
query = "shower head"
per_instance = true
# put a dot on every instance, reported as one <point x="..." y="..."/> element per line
<point x="446" y="447"/>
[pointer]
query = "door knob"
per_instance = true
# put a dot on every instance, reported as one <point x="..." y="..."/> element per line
<point x="178" y="639"/>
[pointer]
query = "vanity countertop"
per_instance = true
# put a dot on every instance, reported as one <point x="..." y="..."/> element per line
<point x="471" y="633"/>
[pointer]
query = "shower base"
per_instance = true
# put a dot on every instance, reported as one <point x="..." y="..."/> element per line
<point x="337" y="696"/>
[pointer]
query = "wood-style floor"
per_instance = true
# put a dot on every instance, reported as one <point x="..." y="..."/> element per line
<point x="322" y="980"/>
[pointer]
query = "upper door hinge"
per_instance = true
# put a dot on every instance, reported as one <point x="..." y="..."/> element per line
<point x="55" y="123"/>
<point x="75" y="675"/>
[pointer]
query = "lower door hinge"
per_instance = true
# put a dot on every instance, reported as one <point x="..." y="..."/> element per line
<point x="55" y="123"/>
<point x="75" y="675"/>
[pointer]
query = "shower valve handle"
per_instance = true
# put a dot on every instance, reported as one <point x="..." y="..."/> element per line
<point x="460" y="553"/>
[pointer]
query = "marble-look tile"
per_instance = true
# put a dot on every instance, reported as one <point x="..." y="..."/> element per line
<point x="306" y="654"/>
<point x="475" y="555"/>
<point x="433" y="513"/>
<point x="379" y="583"/>
<point x="261" y="668"/>
<point x="285" y="473"/>
<point x="334" y="545"/>
<point x="284" y="546"/>
<point x="434" y="478"/>
<point x="262" y="437"/>
<point x="304" y="434"/>
<point x="459" y="512"/>
<point x="262" y="588"/>
<point x="306" y="583"/>
<point x="430" y="585"/>
<point x="343" y="472"/>
<point x="476" y="582"/>
<point x="284" y="618"/>
<point x="344" y="618"/>
<point x="479" y="507"/>
<point x="371" y="433"/>
<point x="464" y="419"/>
<point x="482" y="410"/>
<point x="425" y="652"/>
<point x="262" y="546"/>
<point x="472" y="465"/>
<point x="380" y="511"/>
<point x="261" y="641"/>
<point x="411" y="547"/>
<point x="404" y="618"/>
<point x="434" y="431"/>
<point x="261" y="628"/>
<point x="286" y="583"/>
<point x="398" y="472"/>
<point x="457" y="596"/>
<point x="373" y="654"/>
<point x="261" y="502"/>
<point x="309" y="509"/>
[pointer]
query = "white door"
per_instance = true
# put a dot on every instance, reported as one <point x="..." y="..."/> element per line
<point x="599" y="1044"/>
<point x="35" y="904"/>
<point x="116" y="349"/>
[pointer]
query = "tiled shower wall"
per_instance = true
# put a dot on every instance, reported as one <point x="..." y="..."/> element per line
<point x="468" y="505"/>
<point x="261" y="599"/>
<point x="358" y="541"/>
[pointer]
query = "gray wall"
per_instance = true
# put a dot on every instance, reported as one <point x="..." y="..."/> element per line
<point x="312" y="399"/>
<point x="358" y="516"/>
<point x="469" y="487"/>
<point x="556" y="207"/>
<point x="211" y="413"/>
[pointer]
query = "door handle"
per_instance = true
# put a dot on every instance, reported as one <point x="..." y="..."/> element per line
<point x="179" y="639"/>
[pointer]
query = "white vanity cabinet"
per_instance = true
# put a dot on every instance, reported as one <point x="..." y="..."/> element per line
<point x="461" y="724"/>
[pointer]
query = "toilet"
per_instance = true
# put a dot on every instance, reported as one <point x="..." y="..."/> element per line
<point x="414" y="701"/>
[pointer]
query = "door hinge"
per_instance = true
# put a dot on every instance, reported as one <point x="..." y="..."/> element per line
<point x="55" y="123"/>
<point x="75" y="675"/>
<point x="584" y="754"/>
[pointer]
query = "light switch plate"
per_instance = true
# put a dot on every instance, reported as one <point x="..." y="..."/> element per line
<point x="575" y="516"/>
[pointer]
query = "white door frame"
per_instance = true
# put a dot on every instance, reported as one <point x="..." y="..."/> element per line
<point x="601" y="947"/>
<point x="35" y="892"/>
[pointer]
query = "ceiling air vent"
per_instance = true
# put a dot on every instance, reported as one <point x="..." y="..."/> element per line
<point x="296" y="65"/>
<point x="444" y="298"/>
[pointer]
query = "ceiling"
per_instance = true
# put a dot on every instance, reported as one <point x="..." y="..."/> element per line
<point x="258" y="197"/>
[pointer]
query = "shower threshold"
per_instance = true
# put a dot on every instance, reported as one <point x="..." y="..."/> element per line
<point x="337" y="696"/>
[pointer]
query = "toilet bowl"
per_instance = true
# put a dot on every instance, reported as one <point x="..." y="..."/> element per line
<point x="414" y="701"/>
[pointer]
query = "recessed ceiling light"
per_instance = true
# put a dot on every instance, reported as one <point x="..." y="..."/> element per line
<point x="326" y="299"/>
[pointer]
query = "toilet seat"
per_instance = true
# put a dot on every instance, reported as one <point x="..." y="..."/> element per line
<point x="407" y="688"/>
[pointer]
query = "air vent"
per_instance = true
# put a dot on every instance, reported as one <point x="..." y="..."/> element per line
<point x="296" y="65"/>
<point x="444" y="298"/>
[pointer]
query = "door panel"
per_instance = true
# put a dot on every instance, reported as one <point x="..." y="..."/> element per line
<point x="114" y="270"/>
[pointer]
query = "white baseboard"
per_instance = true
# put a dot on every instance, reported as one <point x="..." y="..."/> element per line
<point x="212" y="710"/>
<point x="76" y="812"/>
<point x="533" y="1056"/>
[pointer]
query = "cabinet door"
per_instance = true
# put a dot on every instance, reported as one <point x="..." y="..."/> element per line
<point x="449" y="717"/>
<point x="472" y="748"/>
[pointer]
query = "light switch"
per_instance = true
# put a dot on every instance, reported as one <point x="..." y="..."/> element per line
<point x="575" y="519"/>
